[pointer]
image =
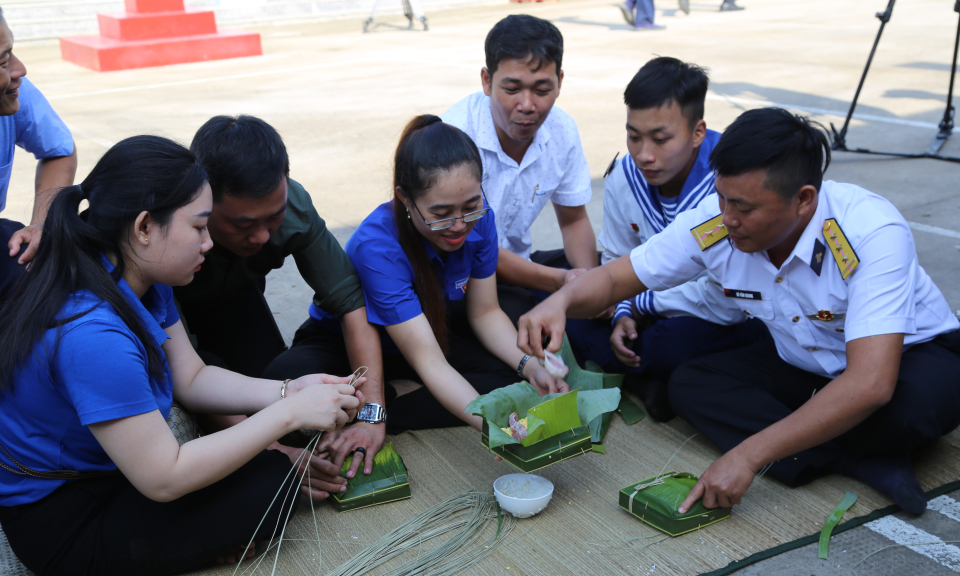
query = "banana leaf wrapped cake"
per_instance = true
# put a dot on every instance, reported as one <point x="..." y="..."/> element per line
<point x="387" y="483"/>
<point x="655" y="501"/>
<point x="531" y="432"/>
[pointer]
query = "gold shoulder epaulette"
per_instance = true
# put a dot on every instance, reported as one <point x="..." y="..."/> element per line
<point x="843" y="252"/>
<point x="710" y="232"/>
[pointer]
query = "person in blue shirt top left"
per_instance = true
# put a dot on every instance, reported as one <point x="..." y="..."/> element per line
<point x="427" y="261"/>
<point x="28" y="121"/>
<point x="92" y="356"/>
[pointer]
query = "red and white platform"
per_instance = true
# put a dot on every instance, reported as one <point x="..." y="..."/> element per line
<point x="156" y="33"/>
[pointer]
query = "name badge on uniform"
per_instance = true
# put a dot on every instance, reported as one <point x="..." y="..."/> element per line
<point x="744" y="294"/>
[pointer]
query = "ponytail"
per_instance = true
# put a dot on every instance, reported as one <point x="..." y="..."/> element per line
<point x="142" y="173"/>
<point x="427" y="148"/>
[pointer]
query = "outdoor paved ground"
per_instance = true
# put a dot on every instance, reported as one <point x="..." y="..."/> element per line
<point x="340" y="99"/>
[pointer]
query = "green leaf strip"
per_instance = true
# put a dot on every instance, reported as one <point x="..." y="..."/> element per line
<point x="832" y="520"/>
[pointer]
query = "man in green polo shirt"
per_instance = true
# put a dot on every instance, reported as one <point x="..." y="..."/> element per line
<point x="260" y="216"/>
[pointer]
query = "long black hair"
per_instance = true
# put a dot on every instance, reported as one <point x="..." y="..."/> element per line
<point x="427" y="149"/>
<point x="142" y="173"/>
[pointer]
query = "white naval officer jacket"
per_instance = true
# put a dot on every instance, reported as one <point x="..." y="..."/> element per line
<point x="811" y="310"/>
<point x="553" y="169"/>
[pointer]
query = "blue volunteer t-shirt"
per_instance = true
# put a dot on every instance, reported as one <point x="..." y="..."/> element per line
<point x="100" y="373"/>
<point x="36" y="128"/>
<point x="387" y="275"/>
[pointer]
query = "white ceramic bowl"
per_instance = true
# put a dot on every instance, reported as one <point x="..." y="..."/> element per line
<point x="523" y="495"/>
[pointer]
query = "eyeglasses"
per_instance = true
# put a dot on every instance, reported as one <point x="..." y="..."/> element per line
<point x="445" y="223"/>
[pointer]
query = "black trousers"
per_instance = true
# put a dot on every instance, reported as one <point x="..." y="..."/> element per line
<point x="10" y="271"/>
<point x="240" y="332"/>
<point x="320" y="348"/>
<point x="104" y="526"/>
<point x="731" y="396"/>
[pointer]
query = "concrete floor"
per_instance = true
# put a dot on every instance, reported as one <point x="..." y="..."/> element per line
<point x="341" y="98"/>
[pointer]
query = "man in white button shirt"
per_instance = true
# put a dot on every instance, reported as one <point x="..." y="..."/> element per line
<point x="666" y="171"/>
<point x="531" y="154"/>
<point x="864" y="367"/>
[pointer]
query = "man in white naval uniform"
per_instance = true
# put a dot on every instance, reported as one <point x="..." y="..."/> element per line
<point x="666" y="172"/>
<point x="864" y="367"/>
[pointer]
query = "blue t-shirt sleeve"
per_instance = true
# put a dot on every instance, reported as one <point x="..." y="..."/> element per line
<point x="387" y="279"/>
<point x="102" y="370"/>
<point x="165" y="293"/>
<point x="39" y="130"/>
<point x="485" y="258"/>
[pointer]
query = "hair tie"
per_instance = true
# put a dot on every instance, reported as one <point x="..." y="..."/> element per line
<point x="83" y="193"/>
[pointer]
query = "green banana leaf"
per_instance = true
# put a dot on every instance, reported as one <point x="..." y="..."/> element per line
<point x="591" y="378"/>
<point x="495" y="408"/>
<point x="657" y="505"/>
<point x="849" y="499"/>
<point x="387" y="483"/>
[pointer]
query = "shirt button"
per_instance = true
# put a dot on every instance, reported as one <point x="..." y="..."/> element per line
<point x="780" y="279"/>
<point x="814" y="349"/>
<point x="747" y="312"/>
<point x="796" y="318"/>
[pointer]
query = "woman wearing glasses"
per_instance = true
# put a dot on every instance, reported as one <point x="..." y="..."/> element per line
<point x="426" y="260"/>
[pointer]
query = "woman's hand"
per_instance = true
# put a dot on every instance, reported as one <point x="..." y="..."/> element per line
<point x="310" y="379"/>
<point x="324" y="406"/>
<point x="543" y="381"/>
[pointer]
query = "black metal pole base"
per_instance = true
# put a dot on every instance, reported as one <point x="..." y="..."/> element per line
<point x="945" y="126"/>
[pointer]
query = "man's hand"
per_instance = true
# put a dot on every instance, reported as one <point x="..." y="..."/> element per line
<point x="29" y="235"/>
<point x="549" y="318"/>
<point x="722" y="484"/>
<point x="622" y="339"/>
<point x="358" y="435"/>
<point x="324" y="478"/>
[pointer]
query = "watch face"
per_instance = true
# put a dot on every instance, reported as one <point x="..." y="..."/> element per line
<point x="368" y="412"/>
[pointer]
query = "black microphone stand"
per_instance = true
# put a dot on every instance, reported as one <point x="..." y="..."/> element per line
<point x="946" y="125"/>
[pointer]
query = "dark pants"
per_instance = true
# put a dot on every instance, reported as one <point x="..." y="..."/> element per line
<point x="104" y="526"/>
<point x="734" y="395"/>
<point x="664" y="345"/>
<point x="10" y="271"/>
<point x="319" y="348"/>
<point x="240" y="331"/>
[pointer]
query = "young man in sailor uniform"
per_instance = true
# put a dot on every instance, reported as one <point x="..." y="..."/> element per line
<point x="666" y="172"/>
<point x="531" y="154"/>
<point x="863" y="367"/>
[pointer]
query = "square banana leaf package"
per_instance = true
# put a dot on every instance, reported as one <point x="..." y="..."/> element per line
<point x="593" y="378"/>
<point x="557" y="424"/>
<point x="387" y="483"/>
<point x="657" y="504"/>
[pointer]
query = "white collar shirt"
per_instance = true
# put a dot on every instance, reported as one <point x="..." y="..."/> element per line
<point x="887" y="293"/>
<point x="553" y="169"/>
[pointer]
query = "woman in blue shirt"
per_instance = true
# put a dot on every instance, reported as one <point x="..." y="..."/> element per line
<point x="426" y="261"/>
<point x="93" y="353"/>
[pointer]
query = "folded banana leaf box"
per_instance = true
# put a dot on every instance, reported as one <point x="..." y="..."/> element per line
<point x="387" y="483"/>
<point x="557" y="424"/>
<point x="543" y="453"/>
<point x="655" y="500"/>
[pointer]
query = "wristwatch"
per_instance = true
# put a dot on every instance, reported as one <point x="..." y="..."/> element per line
<point x="372" y="414"/>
